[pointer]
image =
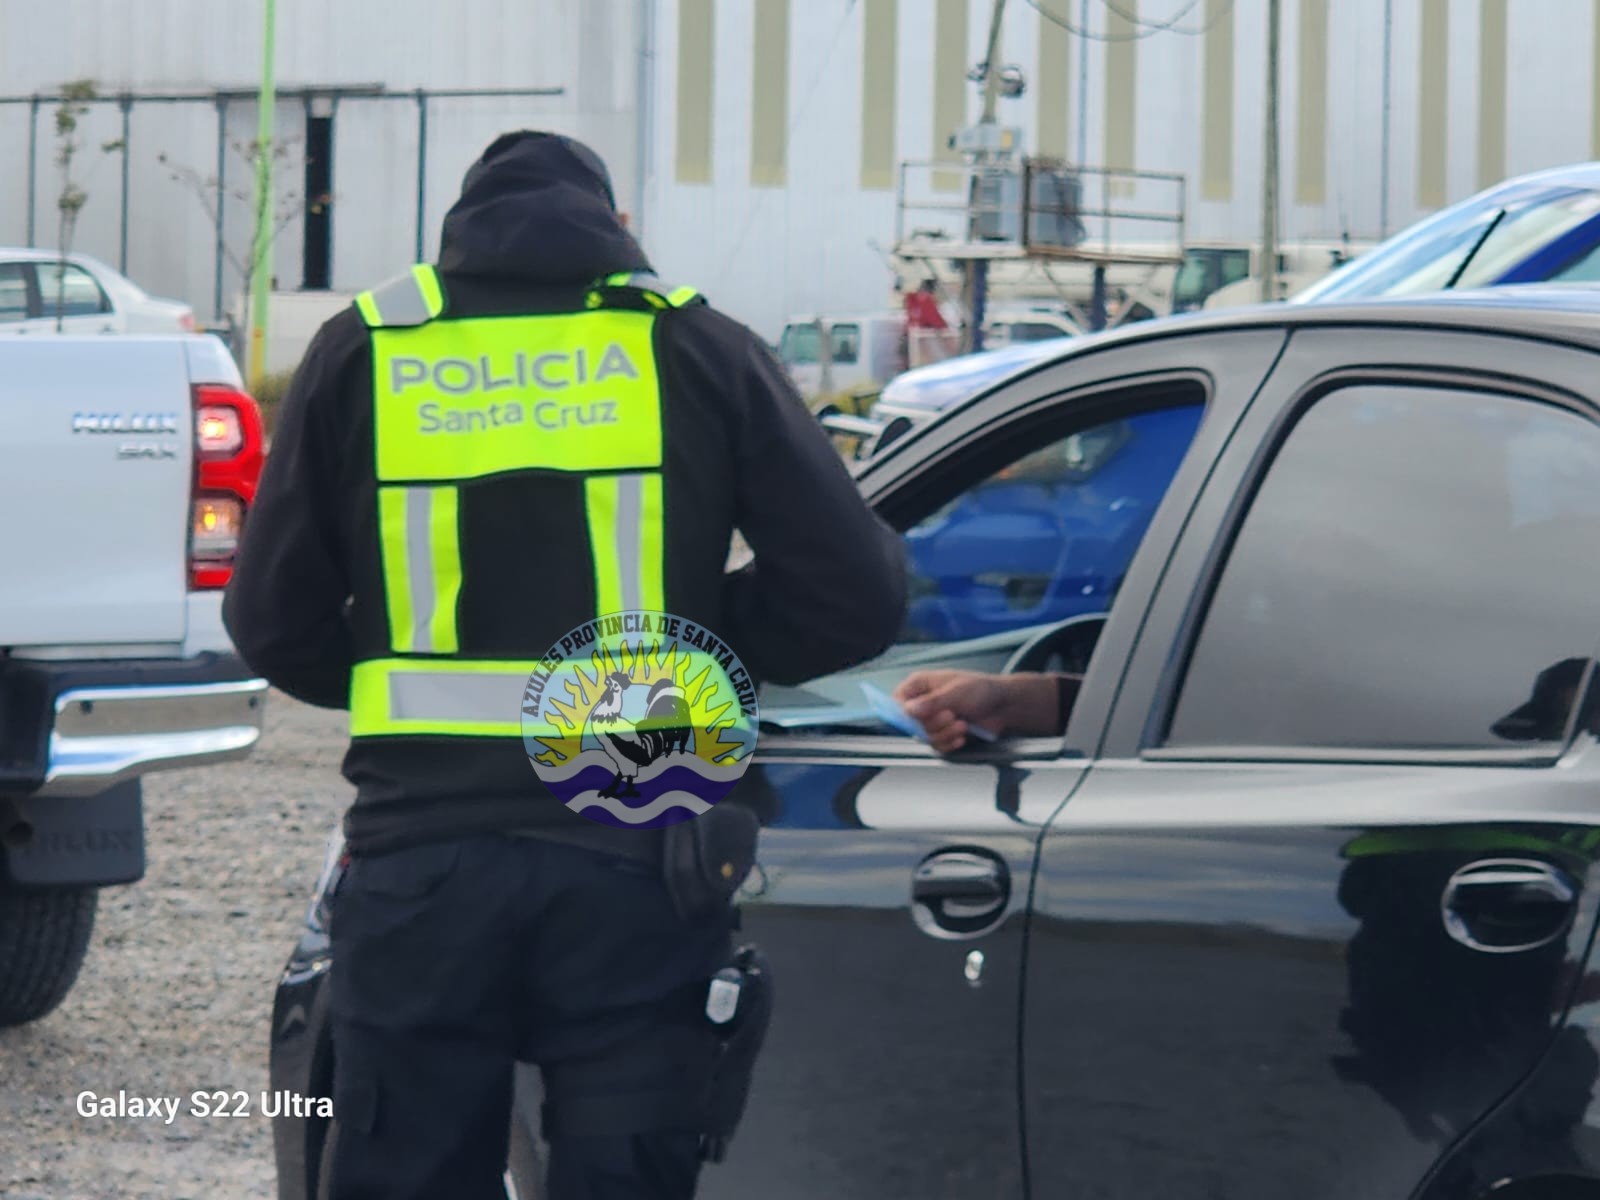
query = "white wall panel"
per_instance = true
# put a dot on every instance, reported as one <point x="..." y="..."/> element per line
<point x="1547" y="51"/>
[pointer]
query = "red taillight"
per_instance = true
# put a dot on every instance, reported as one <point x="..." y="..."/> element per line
<point x="186" y="322"/>
<point x="228" y="457"/>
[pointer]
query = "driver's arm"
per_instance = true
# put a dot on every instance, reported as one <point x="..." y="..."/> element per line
<point x="948" y="702"/>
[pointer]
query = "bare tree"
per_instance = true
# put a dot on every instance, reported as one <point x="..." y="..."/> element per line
<point x="285" y="165"/>
<point x="76" y="97"/>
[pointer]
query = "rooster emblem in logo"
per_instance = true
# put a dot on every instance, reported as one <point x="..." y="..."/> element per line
<point x="667" y="728"/>
<point x="635" y="727"/>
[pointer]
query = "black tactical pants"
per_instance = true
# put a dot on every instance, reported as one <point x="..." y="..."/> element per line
<point x="455" y="959"/>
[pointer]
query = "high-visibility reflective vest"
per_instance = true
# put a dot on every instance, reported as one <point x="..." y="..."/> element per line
<point x="457" y="400"/>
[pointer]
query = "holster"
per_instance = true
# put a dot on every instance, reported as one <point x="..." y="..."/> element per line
<point x="706" y="858"/>
<point x="708" y="1097"/>
<point x="738" y="1044"/>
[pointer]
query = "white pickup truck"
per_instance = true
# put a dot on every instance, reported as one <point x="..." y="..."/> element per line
<point x="126" y="467"/>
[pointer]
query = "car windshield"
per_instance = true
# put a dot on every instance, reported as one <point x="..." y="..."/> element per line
<point x="1469" y="247"/>
<point x="1189" y="289"/>
<point x="801" y="344"/>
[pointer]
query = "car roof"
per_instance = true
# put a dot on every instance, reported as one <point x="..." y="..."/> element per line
<point x="1564" y="312"/>
<point x="981" y="367"/>
<point x="1583" y="175"/>
<point x="813" y="318"/>
<point x="1027" y="314"/>
<point x="1557" y="312"/>
<point x="34" y="254"/>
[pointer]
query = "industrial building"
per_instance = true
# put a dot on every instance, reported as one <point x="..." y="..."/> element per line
<point x="756" y="143"/>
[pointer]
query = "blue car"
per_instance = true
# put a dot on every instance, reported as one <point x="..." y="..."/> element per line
<point x="1538" y="228"/>
<point x="1048" y="537"/>
<point x="1045" y="538"/>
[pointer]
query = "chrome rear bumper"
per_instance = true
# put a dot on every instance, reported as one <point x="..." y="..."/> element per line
<point x="104" y="735"/>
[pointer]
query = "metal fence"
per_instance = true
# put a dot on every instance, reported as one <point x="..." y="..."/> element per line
<point x="429" y="135"/>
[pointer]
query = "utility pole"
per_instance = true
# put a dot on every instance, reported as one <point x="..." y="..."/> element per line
<point x="1388" y="91"/>
<point x="991" y="73"/>
<point x="1083" y="83"/>
<point x="1269" y="175"/>
<point x="977" y="280"/>
<point x="261" y="277"/>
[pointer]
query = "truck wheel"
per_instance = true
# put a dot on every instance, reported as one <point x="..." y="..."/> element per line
<point x="44" y="936"/>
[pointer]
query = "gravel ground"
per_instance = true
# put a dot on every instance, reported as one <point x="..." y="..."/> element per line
<point x="177" y="990"/>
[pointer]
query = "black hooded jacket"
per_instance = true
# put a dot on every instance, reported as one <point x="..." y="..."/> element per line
<point x="533" y="228"/>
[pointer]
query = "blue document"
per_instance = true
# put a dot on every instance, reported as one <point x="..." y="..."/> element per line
<point x="891" y="714"/>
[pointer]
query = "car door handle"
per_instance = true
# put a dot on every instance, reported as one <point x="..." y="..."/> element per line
<point x="959" y="893"/>
<point x="1506" y="905"/>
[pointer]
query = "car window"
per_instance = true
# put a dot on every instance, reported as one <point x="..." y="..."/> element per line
<point x="13" y="292"/>
<point x="1034" y="331"/>
<point x="1195" y="280"/>
<point x="70" y="290"/>
<point x="800" y="344"/>
<point x="1042" y="540"/>
<point x="1584" y="269"/>
<point x="844" y="343"/>
<point x="1049" y="536"/>
<point x="1414" y="574"/>
<point x="1205" y="271"/>
<point x="1235" y="266"/>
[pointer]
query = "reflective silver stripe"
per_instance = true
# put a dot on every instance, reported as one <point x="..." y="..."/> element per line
<point x="419" y="566"/>
<point x="630" y="505"/>
<point x="476" y="697"/>
<point x="400" y="302"/>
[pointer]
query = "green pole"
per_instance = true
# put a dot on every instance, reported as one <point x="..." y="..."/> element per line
<point x="261" y="268"/>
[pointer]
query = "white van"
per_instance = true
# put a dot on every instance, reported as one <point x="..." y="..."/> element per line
<point x="830" y="355"/>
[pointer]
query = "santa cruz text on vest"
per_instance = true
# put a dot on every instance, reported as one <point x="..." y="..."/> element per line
<point x="551" y="371"/>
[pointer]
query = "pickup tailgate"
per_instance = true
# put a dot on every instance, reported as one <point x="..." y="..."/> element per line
<point x="96" y="462"/>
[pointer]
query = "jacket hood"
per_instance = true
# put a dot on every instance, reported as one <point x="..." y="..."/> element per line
<point x="538" y="208"/>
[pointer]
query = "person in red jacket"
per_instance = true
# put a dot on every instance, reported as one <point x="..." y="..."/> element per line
<point x="927" y="332"/>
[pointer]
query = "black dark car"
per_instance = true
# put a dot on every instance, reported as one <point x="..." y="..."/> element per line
<point x="1301" y="903"/>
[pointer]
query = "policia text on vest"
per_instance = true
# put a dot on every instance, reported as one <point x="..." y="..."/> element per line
<point x="480" y="376"/>
<point x="480" y="379"/>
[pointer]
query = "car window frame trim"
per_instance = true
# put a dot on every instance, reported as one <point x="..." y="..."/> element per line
<point x="1100" y="406"/>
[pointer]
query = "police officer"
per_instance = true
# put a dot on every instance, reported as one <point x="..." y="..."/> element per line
<point x="406" y="553"/>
